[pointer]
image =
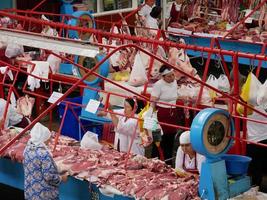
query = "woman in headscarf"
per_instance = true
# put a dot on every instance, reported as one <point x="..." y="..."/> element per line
<point x="165" y="90"/>
<point x="12" y="117"/>
<point x="126" y="127"/>
<point x="188" y="159"/>
<point x="41" y="175"/>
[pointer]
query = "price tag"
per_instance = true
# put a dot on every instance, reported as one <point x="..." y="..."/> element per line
<point x="92" y="106"/>
<point x="248" y="20"/>
<point x="54" y="97"/>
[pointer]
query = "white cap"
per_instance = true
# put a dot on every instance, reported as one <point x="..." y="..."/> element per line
<point x="185" y="138"/>
<point x="39" y="134"/>
<point x="43" y="17"/>
<point x="166" y="71"/>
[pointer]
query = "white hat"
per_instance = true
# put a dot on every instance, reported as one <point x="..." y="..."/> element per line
<point x="166" y="71"/>
<point x="43" y="17"/>
<point x="39" y="134"/>
<point x="185" y="137"/>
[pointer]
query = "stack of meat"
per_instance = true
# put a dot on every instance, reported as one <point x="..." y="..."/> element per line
<point x="230" y="9"/>
<point x="140" y="177"/>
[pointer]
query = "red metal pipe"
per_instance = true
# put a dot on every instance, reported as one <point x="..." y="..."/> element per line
<point x="38" y="5"/>
<point x="227" y="73"/>
<point x="135" y="38"/>
<point x="77" y="118"/>
<point x="244" y="134"/>
<point x="236" y="92"/>
<point x="263" y="49"/>
<point x="64" y="96"/>
<point x="131" y="144"/>
<point x="60" y="127"/>
<point x="50" y="113"/>
<point x="109" y="22"/>
<point x="205" y="72"/>
<point x="164" y="62"/>
<point x="76" y="84"/>
<point x="151" y="61"/>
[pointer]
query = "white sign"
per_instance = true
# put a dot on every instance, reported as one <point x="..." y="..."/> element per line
<point x="54" y="97"/>
<point x="92" y="106"/>
<point x="248" y="20"/>
<point x="179" y="30"/>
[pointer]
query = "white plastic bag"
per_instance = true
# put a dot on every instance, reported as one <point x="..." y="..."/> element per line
<point x="138" y="75"/>
<point x="255" y="85"/>
<point x="223" y="83"/>
<point x="90" y="141"/>
<point x="54" y="63"/>
<point x="150" y="120"/>
<point x="262" y="94"/>
<point x="212" y="81"/>
<point x="13" y="50"/>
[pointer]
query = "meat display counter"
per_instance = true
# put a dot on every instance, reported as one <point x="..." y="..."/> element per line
<point x="233" y="45"/>
<point x="101" y="174"/>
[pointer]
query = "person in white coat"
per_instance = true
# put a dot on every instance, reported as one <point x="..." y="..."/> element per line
<point x="126" y="127"/>
<point x="186" y="158"/>
<point x="12" y="117"/>
<point x="146" y="9"/>
<point x="152" y="20"/>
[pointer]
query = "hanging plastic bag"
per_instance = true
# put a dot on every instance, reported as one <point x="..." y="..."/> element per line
<point x="90" y="141"/>
<point x="250" y="89"/>
<point x="146" y="136"/>
<point x="223" y="83"/>
<point x="140" y="115"/>
<point x="13" y="50"/>
<point x="54" y="63"/>
<point x="212" y="81"/>
<point x="262" y="94"/>
<point x="150" y="119"/>
<point x="138" y="75"/>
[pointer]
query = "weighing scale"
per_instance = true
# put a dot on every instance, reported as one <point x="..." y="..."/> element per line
<point x="81" y="19"/>
<point x="211" y="135"/>
<point x="85" y="19"/>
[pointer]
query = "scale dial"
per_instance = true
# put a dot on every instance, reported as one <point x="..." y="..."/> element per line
<point x="211" y="132"/>
<point x="88" y="63"/>
<point x="83" y="19"/>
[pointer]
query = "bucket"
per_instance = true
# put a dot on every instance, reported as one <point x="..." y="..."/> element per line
<point x="236" y="164"/>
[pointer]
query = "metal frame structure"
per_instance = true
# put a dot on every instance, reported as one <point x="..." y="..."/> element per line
<point x="29" y="21"/>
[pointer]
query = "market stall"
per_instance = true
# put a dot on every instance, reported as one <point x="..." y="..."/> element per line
<point x="121" y="174"/>
<point x="101" y="172"/>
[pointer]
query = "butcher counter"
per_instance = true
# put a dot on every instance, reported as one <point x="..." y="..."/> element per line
<point x="101" y="174"/>
<point x="204" y="40"/>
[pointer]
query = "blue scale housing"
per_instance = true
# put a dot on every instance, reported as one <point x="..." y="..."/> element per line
<point x="211" y="133"/>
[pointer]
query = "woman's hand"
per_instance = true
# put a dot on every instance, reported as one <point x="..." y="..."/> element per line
<point x="101" y="113"/>
<point x="64" y="177"/>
